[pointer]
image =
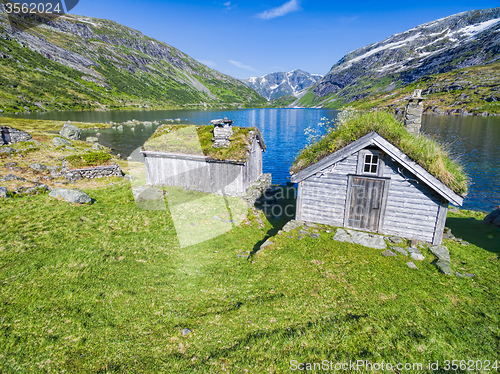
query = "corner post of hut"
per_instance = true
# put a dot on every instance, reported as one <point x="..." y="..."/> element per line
<point x="413" y="112"/>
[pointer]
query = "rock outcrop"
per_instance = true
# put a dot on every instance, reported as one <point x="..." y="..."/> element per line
<point x="10" y="135"/>
<point x="70" y="132"/>
<point x="61" y="142"/>
<point x="493" y="218"/>
<point x="443" y="255"/>
<point x="71" y="196"/>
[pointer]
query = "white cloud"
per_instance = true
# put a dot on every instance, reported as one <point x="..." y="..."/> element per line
<point x="288" y="7"/>
<point x="228" y="6"/>
<point x="241" y="65"/>
<point x="208" y="63"/>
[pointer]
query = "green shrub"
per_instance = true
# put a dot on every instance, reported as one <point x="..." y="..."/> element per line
<point x="89" y="159"/>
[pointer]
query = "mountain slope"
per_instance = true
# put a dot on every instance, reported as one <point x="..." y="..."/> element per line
<point x="275" y="85"/>
<point x="473" y="90"/>
<point x="76" y="62"/>
<point x="459" y="41"/>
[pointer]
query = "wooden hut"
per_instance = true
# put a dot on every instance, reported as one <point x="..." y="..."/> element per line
<point x="218" y="158"/>
<point x="371" y="185"/>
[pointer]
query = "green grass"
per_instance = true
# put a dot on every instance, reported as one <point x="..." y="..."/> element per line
<point x="89" y="159"/>
<point x="198" y="140"/>
<point x="426" y="152"/>
<point x="106" y="288"/>
<point x="282" y="102"/>
<point x="307" y="100"/>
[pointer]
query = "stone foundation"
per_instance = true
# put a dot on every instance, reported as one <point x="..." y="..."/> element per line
<point x="257" y="188"/>
<point x="94" y="172"/>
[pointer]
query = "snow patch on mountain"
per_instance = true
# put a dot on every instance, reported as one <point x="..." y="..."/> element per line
<point x="275" y="85"/>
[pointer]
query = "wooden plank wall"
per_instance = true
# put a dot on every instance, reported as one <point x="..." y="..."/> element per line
<point x="412" y="208"/>
<point x="199" y="175"/>
<point x="323" y="195"/>
<point x="253" y="167"/>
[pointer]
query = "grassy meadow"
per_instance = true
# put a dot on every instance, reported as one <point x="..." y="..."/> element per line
<point x="106" y="288"/>
<point x="109" y="287"/>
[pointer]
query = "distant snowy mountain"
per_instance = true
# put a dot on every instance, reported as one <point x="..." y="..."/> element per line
<point x="275" y="85"/>
<point x="462" y="40"/>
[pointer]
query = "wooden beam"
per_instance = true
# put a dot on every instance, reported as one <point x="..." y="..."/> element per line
<point x="440" y="223"/>
<point x="298" y="209"/>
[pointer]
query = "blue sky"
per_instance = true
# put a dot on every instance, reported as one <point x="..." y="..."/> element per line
<point x="248" y="38"/>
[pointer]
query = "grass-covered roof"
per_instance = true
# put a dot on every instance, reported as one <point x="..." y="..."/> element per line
<point x="424" y="151"/>
<point x="197" y="140"/>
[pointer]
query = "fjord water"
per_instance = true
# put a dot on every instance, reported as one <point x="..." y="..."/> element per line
<point x="474" y="141"/>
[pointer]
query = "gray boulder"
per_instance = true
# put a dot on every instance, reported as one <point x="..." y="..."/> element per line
<point x="91" y="139"/>
<point x="396" y="239"/>
<point x="97" y="147"/>
<point x="38" y="167"/>
<point x="3" y="192"/>
<point x="267" y="243"/>
<point x="59" y="142"/>
<point x="342" y="236"/>
<point x="7" y="150"/>
<point x="447" y="234"/>
<point x="292" y="225"/>
<point x="440" y="251"/>
<point x="411" y="265"/>
<point x="368" y="240"/>
<point x="417" y="256"/>
<point x="39" y="189"/>
<point x="11" y="177"/>
<point x="9" y="135"/>
<point x="443" y="255"/>
<point x="388" y="253"/>
<point x="400" y="250"/>
<point x="493" y="218"/>
<point x="70" y="132"/>
<point x="71" y="196"/>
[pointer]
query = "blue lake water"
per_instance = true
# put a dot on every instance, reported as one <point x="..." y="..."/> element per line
<point x="474" y="141"/>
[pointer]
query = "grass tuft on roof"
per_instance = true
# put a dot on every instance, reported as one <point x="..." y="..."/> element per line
<point x="197" y="140"/>
<point x="426" y="152"/>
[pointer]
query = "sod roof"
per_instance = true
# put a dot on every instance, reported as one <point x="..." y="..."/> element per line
<point x="424" y="151"/>
<point x="197" y="140"/>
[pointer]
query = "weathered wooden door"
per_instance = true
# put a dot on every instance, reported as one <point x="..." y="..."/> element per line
<point x="365" y="203"/>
